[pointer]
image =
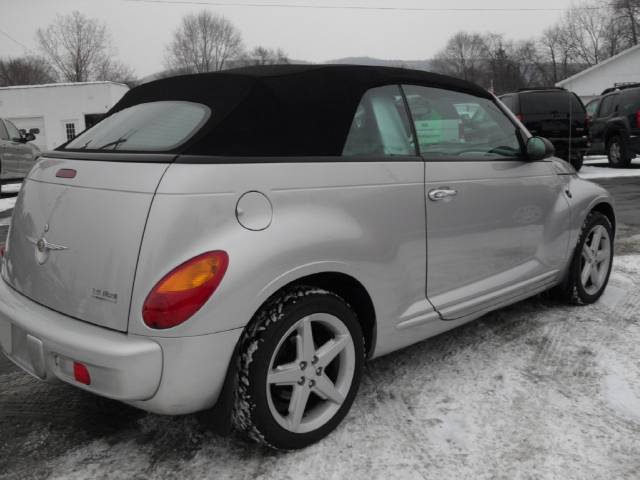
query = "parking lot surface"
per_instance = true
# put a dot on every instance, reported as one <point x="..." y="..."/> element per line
<point x="536" y="390"/>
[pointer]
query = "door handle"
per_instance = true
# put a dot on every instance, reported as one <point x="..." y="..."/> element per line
<point x="440" y="194"/>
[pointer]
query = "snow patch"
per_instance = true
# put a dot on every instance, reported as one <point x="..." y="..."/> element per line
<point x="7" y="203"/>
<point x="11" y="188"/>
<point x="598" y="167"/>
<point x="619" y="393"/>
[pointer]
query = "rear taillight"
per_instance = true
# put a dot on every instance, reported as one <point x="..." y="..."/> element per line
<point x="81" y="373"/>
<point x="638" y="119"/>
<point x="2" y="250"/>
<point x="184" y="290"/>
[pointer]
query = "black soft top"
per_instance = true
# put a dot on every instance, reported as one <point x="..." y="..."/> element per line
<point x="281" y="109"/>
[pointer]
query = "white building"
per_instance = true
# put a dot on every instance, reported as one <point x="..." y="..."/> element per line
<point x="59" y="110"/>
<point x="621" y="68"/>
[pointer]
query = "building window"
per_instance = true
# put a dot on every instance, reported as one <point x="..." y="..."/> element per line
<point x="70" y="129"/>
<point x="91" y="119"/>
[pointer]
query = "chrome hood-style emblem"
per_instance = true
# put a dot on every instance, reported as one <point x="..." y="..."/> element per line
<point x="43" y="247"/>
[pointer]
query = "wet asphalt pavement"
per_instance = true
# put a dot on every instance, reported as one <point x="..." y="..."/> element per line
<point x="535" y="390"/>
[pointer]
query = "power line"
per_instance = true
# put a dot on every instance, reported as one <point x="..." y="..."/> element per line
<point x="360" y="7"/>
<point x="27" y="49"/>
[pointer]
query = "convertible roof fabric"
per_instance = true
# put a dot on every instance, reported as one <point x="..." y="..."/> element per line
<point x="281" y="110"/>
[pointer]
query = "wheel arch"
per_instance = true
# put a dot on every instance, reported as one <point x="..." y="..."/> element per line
<point x="613" y="130"/>
<point x="606" y="209"/>
<point x="349" y="289"/>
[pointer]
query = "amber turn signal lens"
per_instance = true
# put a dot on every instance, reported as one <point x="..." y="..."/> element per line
<point x="184" y="290"/>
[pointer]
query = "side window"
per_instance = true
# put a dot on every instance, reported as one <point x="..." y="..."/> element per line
<point x="4" y="135"/>
<point x="454" y="125"/>
<point x="606" y="107"/>
<point x="508" y="102"/>
<point x="13" y="131"/>
<point x="629" y="102"/>
<point x="592" y="108"/>
<point x="380" y="125"/>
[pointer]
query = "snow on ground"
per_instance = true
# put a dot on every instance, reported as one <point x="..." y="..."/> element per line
<point x="598" y="167"/>
<point x="536" y="390"/>
<point x="7" y="203"/>
<point x="11" y="188"/>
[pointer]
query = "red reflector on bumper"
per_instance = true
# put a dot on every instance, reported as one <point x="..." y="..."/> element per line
<point x="66" y="173"/>
<point x="81" y="373"/>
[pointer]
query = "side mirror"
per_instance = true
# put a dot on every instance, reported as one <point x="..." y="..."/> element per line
<point x="539" y="148"/>
<point x="34" y="131"/>
<point x="29" y="137"/>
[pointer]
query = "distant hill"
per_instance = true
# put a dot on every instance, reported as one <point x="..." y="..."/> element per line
<point x="379" y="62"/>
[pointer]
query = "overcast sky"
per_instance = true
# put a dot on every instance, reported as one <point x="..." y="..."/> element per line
<point x="141" y="30"/>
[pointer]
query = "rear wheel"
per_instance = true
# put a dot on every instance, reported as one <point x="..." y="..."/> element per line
<point x="617" y="152"/>
<point x="299" y="368"/>
<point x="591" y="265"/>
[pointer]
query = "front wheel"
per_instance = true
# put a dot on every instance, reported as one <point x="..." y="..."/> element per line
<point x="592" y="261"/>
<point x="299" y="367"/>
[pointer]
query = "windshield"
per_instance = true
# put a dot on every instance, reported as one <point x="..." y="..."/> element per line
<point x="146" y="127"/>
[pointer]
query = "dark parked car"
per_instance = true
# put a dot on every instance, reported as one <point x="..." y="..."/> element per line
<point x="615" y="124"/>
<point x="17" y="155"/>
<point x="556" y="114"/>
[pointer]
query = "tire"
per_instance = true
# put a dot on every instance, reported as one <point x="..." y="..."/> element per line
<point x="577" y="161"/>
<point x="264" y="407"/>
<point x="617" y="152"/>
<point x="575" y="289"/>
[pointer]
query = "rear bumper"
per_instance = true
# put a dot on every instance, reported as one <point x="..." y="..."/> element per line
<point x="46" y="343"/>
<point x="162" y="375"/>
<point x="578" y="145"/>
<point x="634" y="144"/>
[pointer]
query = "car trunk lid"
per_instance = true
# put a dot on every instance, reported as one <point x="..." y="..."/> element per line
<point x="76" y="233"/>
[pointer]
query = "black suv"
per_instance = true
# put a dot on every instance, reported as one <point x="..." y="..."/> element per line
<point x="615" y="124"/>
<point x="556" y="114"/>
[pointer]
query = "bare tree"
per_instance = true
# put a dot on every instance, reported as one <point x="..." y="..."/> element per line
<point x="204" y="42"/>
<point x="25" y="71"/>
<point x="79" y="48"/>
<point x="588" y="27"/>
<point x="264" y="56"/>
<point x="462" y="57"/>
<point x="628" y="11"/>
<point x="116" y="71"/>
<point x="556" y="50"/>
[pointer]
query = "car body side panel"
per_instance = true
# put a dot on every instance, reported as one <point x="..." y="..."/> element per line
<point x="507" y="226"/>
<point x="363" y="219"/>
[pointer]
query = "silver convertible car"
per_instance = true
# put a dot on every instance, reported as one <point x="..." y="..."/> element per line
<point x="243" y="241"/>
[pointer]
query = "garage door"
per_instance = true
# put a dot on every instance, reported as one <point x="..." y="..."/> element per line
<point x="33" y="122"/>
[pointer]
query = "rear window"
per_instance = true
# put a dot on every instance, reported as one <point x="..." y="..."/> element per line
<point x="146" y="127"/>
<point x="541" y="103"/>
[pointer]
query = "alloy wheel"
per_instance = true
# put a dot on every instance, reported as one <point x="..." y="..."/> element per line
<point x="596" y="258"/>
<point x="310" y="373"/>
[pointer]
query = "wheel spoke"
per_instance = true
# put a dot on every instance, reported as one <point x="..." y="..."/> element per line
<point x="327" y="390"/>
<point x="327" y="352"/>
<point x="297" y="406"/>
<point x="595" y="240"/>
<point x="304" y="341"/>
<point x="586" y="272"/>
<point x="287" y="374"/>
<point x="586" y="252"/>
